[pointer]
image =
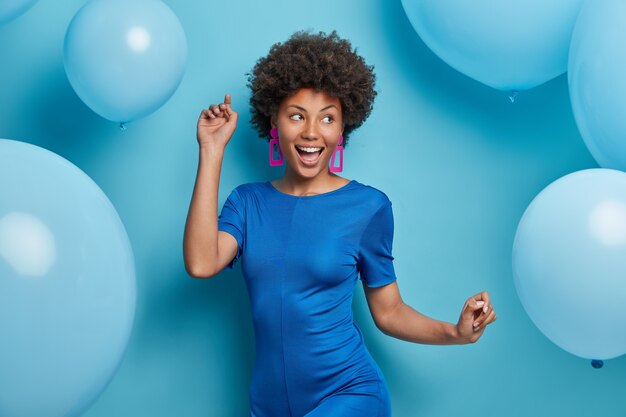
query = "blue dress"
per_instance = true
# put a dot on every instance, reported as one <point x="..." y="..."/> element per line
<point x="301" y="256"/>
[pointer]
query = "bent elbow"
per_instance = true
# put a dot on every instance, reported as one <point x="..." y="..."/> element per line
<point x="199" y="271"/>
<point x="382" y="328"/>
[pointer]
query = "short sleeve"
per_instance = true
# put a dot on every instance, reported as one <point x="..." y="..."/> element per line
<point x="374" y="259"/>
<point x="232" y="221"/>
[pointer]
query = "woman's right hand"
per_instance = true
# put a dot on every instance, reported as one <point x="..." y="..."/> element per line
<point x="217" y="124"/>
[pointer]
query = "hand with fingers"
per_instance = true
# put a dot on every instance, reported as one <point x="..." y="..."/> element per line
<point x="217" y="124"/>
<point x="477" y="313"/>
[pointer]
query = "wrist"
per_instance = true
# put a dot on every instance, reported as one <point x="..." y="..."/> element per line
<point x="211" y="149"/>
<point x="455" y="335"/>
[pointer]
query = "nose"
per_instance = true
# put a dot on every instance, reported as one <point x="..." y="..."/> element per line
<point x="310" y="130"/>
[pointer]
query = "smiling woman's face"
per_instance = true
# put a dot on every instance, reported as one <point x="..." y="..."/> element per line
<point x="309" y="124"/>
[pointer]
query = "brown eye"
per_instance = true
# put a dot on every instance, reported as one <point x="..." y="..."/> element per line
<point x="295" y="116"/>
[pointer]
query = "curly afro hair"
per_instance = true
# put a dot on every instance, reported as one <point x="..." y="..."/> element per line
<point x="323" y="62"/>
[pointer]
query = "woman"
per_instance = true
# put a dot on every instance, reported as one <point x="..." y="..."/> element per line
<point x="305" y="237"/>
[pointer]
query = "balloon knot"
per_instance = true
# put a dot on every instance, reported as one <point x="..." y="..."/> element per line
<point x="123" y="126"/>
<point x="513" y="94"/>
<point x="597" y="364"/>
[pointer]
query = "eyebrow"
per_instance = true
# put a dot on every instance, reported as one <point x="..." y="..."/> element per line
<point x="304" y="110"/>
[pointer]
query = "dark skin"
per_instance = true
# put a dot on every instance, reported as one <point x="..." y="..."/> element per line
<point x="313" y="119"/>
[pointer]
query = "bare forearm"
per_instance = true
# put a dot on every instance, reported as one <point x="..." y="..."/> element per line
<point x="200" y="241"/>
<point x="405" y="323"/>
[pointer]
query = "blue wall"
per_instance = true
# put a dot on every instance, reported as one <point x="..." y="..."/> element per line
<point x="458" y="160"/>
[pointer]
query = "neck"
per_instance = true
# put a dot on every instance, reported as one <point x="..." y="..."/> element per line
<point x="298" y="185"/>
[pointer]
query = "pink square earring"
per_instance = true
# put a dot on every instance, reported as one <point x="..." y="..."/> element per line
<point x="274" y="141"/>
<point x="338" y="150"/>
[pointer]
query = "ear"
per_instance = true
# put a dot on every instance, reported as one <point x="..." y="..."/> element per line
<point x="273" y="121"/>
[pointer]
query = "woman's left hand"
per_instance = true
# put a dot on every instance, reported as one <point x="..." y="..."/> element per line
<point x="476" y="315"/>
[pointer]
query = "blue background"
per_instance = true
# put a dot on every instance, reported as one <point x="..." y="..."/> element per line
<point x="458" y="160"/>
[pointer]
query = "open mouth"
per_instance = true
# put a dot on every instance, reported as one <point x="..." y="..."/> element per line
<point x="309" y="156"/>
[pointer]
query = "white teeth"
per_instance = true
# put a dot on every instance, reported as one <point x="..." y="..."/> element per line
<point x="308" y="149"/>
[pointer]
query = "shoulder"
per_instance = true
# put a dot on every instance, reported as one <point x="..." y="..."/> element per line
<point x="373" y="197"/>
<point x="249" y="188"/>
<point x="244" y="196"/>
<point x="249" y="193"/>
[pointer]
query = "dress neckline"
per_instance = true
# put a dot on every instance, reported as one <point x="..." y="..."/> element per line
<point x="343" y="187"/>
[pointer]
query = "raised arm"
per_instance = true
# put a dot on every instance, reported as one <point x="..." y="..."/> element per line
<point x="206" y="250"/>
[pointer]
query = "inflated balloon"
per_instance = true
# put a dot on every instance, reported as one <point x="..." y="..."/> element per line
<point x="67" y="285"/>
<point x="508" y="45"/>
<point x="597" y="64"/>
<point x="125" y="58"/>
<point x="10" y="9"/>
<point x="569" y="262"/>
